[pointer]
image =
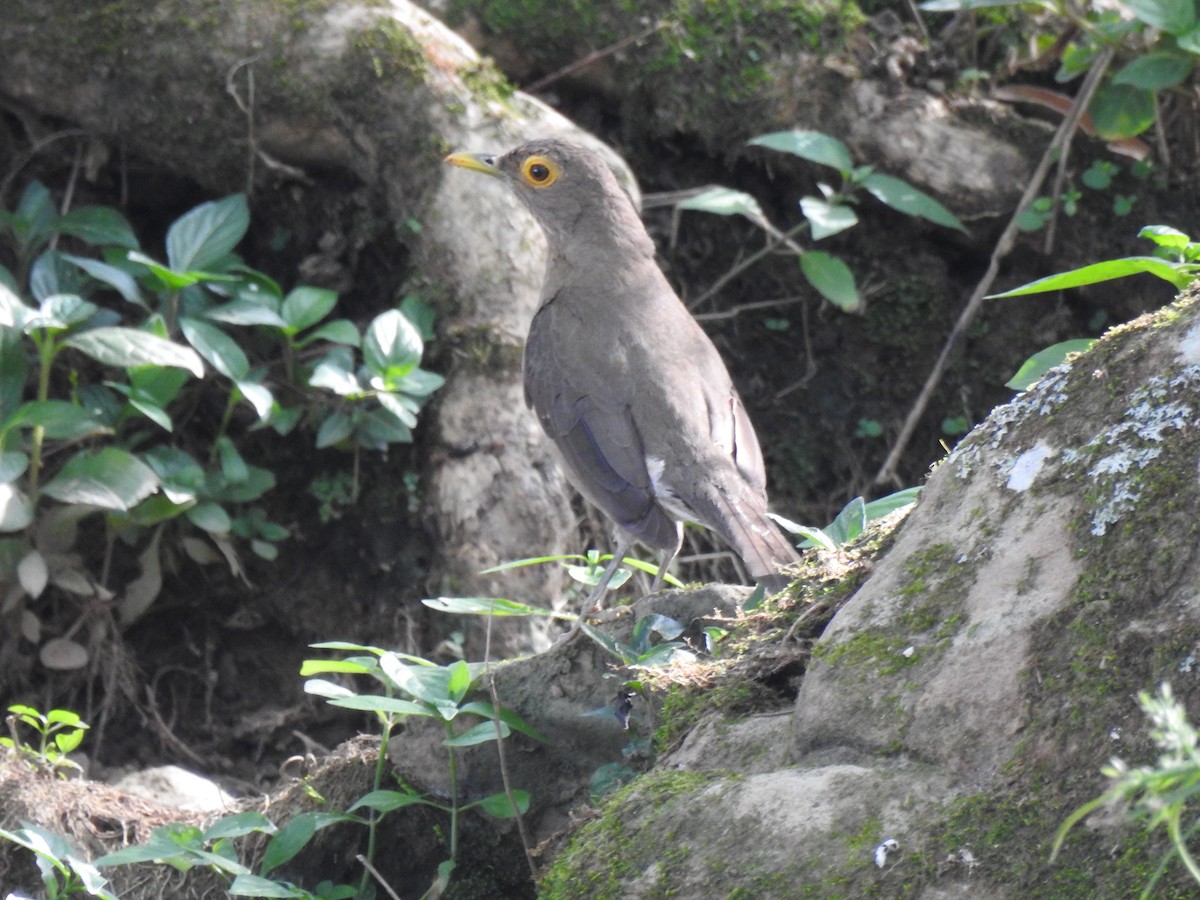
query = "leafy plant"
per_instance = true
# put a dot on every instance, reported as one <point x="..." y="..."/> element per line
<point x="824" y="216"/>
<point x="851" y="521"/>
<point x="1158" y="795"/>
<point x="412" y="686"/>
<point x="59" y="732"/>
<point x="104" y="357"/>
<point x="64" y="871"/>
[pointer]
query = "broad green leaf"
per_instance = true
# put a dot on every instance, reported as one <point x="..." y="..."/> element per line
<point x="157" y="384"/>
<point x="420" y="313"/>
<point x="239" y="824"/>
<point x="118" y="279"/>
<point x="14" y="313"/>
<point x="477" y="734"/>
<point x="14" y="363"/>
<point x="882" y="506"/>
<point x="245" y="312"/>
<point x="485" y="606"/>
<point x="306" y="306"/>
<point x="335" y="372"/>
<point x="1190" y="40"/>
<point x="420" y="383"/>
<point x="288" y="841"/>
<point x="827" y="218"/>
<point x="336" y="428"/>
<point x="339" y="331"/>
<point x="98" y="225"/>
<point x="725" y="201"/>
<point x="498" y="805"/>
<point x="16" y="512"/>
<point x="207" y="234"/>
<point x="110" y="478"/>
<point x="956" y="5"/>
<point x="1178" y="275"/>
<point x="1045" y="360"/>
<point x="217" y="347"/>
<point x="814" y="537"/>
<point x="1156" y="70"/>
<point x="398" y="406"/>
<point x="173" y="280"/>
<point x="157" y="508"/>
<point x="849" y="523"/>
<point x="832" y="278"/>
<point x="811" y="145"/>
<point x="1165" y="236"/>
<point x="12" y="465"/>
<point x="1121" y="111"/>
<point x="902" y="196"/>
<point x="34" y="218"/>
<point x="1172" y="16"/>
<point x="377" y="429"/>
<point x="459" y="682"/>
<point x="60" y="420"/>
<point x="257" y="886"/>
<point x="509" y="717"/>
<point x="386" y="801"/>
<point x="380" y="704"/>
<point x="259" y="396"/>
<point x="210" y="517"/>
<point x="392" y="346"/>
<point x="126" y="347"/>
<point x="60" y="312"/>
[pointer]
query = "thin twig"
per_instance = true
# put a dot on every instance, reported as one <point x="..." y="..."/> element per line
<point x="747" y="307"/>
<point x="366" y="864"/>
<point x="887" y="472"/>
<point x="778" y="239"/>
<point x="594" y="56"/>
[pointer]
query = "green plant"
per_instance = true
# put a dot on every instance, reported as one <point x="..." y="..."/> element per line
<point x="416" y="687"/>
<point x="824" y="216"/>
<point x="59" y="732"/>
<point x="103" y="363"/>
<point x="851" y="521"/>
<point x="1157" y="795"/>
<point x="64" y="871"/>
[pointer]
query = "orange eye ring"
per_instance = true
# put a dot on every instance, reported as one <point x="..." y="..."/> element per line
<point x="539" y="171"/>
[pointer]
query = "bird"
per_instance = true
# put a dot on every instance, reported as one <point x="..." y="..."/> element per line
<point x="623" y="379"/>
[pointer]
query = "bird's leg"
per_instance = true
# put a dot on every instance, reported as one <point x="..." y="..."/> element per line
<point x="665" y="560"/>
<point x="624" y="545"/>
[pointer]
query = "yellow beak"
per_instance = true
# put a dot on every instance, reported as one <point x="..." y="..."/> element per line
<point x="476" y="162"/>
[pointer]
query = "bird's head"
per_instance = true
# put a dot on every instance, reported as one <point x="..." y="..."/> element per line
<point x="570" y="190"/>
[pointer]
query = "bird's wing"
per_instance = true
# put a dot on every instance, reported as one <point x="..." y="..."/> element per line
<point x="588" y="416"/>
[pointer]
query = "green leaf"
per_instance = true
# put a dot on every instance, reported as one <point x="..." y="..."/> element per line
<point x="222" y="351"/>
<point x="499" y="806"/>
<point x="956" y="5"/>
<point x="386" y="801"/>
<point x="485" y="606"/>
<point x="399" y="406"/>
<point x="245" y="312"/>
<point x="420" y="313"/>
<point x="16" y="512"/>
<point x="460" y="681"/>
<point x="832" y="278"/>
<point x="35" y="215"/>
<point x="1156" y="70"/>
<point x="257" y="395"/>
<point x="1172" y="16"/>
<point x="60" y="420"/>
<point x="380" y="704"/>
<point x="811" y="145"/>
<point x="210" y="517"/>
<point x="14" y="362"/>
<point x="1045" y="360"/>
<point x="125" y="347"/>
<point x="305" y="307"/>
<point x="335" y="372"/>
<point x="827" y="218"/>
<point x="849" y="523"/>
<point x="110" y="478"/>
<point x="725" y="201"/>
<point x="336" y="428"/>
<point x="392" y="346"/>
<point x="172" y="280"/>
<point x="12" y="465"/>
<point x="339" y="331"/>
<point x="257" y="886"/>
<point x="882" y="506"/>
<point x="118" y="279"/>
<point x="288" y="841"/>
<point x="61" y="311"/>
<point x="1121" y="111"/>
<point x="98" y="225"/>
<point x="207" y="234"/>
<point x="902" y="196"/>
<point x="477" y="734"/>
<point x="239" y="824"/>
<point x="1165" y="236"/>
<point x="1177" y="274"/>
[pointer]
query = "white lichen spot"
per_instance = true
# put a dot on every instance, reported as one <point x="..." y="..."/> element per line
<point x="1025" y="468"/>
<point x="1189" y="345"/>
<point x="891" y="845"/>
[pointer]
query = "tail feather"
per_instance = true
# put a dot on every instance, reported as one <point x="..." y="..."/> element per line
<point x="742" y="521"/>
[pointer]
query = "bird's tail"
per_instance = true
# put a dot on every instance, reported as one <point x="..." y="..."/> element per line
<point x="740" y="517"/>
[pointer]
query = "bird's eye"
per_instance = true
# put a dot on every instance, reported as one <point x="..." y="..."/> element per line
<point x="539" y="172"/>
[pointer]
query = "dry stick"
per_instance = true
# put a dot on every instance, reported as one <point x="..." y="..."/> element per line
<point x="366" y="864"/>
<point x="594" y="56"/>
<point x="887" y="472"/>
